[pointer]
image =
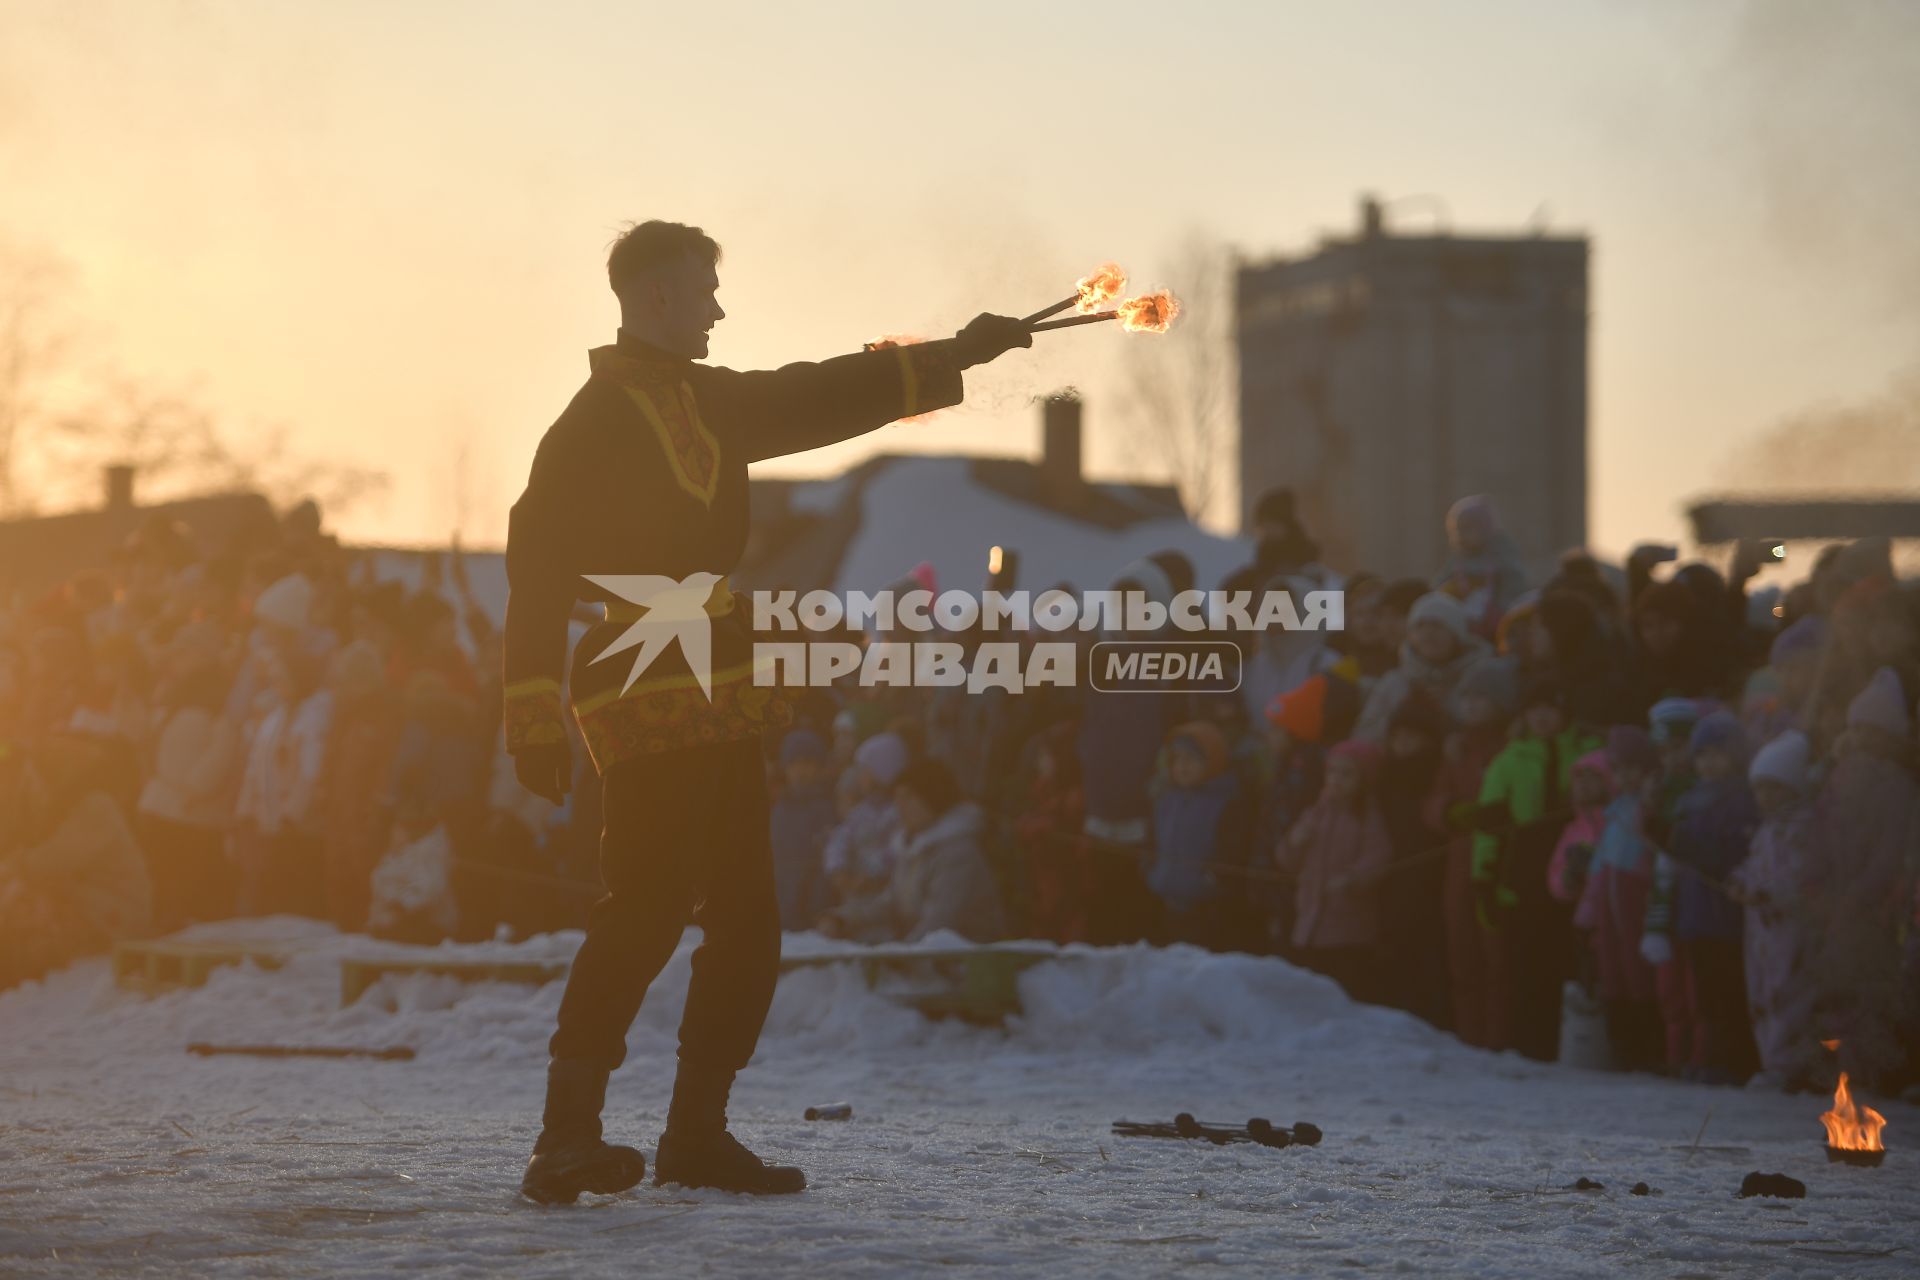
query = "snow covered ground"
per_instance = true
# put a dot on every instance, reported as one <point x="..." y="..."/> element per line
<point x="971" y="1149"/>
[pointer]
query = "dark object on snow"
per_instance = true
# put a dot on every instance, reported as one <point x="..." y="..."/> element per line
<point x="1641" y="1189"/>
<point x="1777" y="1185"/>
<point x="398" y="1053"/>
<point x="1588" y="1184"/>
<point x="1259" y="1130"/>
<point x="831" y="1111"/>
<point x="1858" y="1159"/>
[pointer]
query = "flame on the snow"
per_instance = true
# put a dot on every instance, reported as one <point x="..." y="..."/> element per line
<point x="1852" y="1128"/>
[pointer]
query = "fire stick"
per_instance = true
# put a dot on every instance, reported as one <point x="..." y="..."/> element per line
<point x="1071" y="321"/>
<point x="1053" y="310"/>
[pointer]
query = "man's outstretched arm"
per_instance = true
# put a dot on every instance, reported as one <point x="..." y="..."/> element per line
<point x="806" y="406"/>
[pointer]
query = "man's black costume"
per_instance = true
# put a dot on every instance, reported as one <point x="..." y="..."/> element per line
<point x="646" y="473"/>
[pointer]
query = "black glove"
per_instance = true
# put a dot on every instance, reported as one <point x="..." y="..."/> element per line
<point x="546" y="769"/>
<point x="987" y="336"/>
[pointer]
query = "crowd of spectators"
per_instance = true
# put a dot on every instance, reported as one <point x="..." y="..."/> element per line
<point x="1642" y="797"/>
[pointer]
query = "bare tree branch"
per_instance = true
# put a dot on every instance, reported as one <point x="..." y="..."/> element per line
<point x="33" y="347"/>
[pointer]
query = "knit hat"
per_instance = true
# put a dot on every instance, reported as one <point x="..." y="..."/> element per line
<point x="1496" y="679"/>
<point x="1473" y="513"/>
<point x="285" y="603"/>
<point x="1204" y="738"/>
<point x="1301" y="710"/>
<point x="1673" y="718"/>
<point x="1322" y="708"/>
<point x="1630" y="747"/>
<point x="1801" y="640"/>
<point x="884" y="755"/>
<point x="1784" y="760"/>
<point x="1598" y="764"/>
<point x="1368" y="755"/>
<point x="1438" y="606"/>
<point x="801" y="744"/>
<point x="1720" y="731"/>
<point x="1881" y="705"/>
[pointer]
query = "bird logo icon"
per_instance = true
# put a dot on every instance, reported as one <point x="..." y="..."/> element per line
<point x="676" y="609"/>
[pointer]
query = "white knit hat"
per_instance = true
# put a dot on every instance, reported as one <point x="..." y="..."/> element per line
<point x="1783" y="760"/>
<point x="285" y="603"/>
<point x="1438" y="606"/>
<point x="1882" y="704"/>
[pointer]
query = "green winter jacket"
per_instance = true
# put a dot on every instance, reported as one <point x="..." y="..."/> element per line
<point x="1513" y="793"/>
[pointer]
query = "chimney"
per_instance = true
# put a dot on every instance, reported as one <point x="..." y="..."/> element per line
<point x="1372" y="218"/>
<point x="119" y="486"/>
<point x="1060" y="484"/>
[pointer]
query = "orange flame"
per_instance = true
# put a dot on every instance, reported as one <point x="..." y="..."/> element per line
<point x="1851" y="1128"/>
<point x="1149" y="313"/>
<point x="1831" y="1046"/>
<point x="1100" y="287"/>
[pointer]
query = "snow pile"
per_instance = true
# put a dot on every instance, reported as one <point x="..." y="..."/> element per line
<point x="1096" y="1001"/>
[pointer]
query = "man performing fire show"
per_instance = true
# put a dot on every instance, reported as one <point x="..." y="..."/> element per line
<point x="645" y="473"/>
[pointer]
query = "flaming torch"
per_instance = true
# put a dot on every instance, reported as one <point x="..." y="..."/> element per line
<point x="1148" y="313"/>
<point x="1095" y="290"/>
<point x="1853" y="1132"/>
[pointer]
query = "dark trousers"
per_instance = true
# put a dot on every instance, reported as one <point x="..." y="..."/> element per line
<point x="684" y="840"/>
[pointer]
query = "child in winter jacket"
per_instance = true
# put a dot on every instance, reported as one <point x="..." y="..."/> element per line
<point x="1865" y="834"/>
<point x="941" y="879"/>
<point x="1773" y="886"/>
<point x="802" y="814"/>
<point x="1524" y="802"/>
<point x="1301" y="724"/>
<point x="1337" y="854"/>
<point x="1692" y="910"/>
<point x="1413" y="927"/>
<point x="859" y="851"/>
<point x="1613" y="905"/>
<point x="1199" y="826"/>
<point x="1590" y="791"/>
<point x="72" y="880"/>
<point x="1483" y="703"/>
<point x="1047" y="830"/>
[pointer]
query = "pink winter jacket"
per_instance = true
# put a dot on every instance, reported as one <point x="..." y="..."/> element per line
<point x="1584" y="830"/>
<point x="1337" y="867"/>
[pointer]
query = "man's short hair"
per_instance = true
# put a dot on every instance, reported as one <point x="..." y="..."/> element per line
<point x="646" y="245"/>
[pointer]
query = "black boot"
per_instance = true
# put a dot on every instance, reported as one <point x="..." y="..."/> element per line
<point x="569" y="1156"/>
<point x="697" y="1151"/>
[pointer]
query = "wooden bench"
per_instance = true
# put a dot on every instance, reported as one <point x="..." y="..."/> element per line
<point x="357" y="973"/>
<point x="156" y="964"/>
<point x="974" y="984"/>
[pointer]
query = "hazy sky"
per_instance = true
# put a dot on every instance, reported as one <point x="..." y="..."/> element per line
<point x="382" y="224"/>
